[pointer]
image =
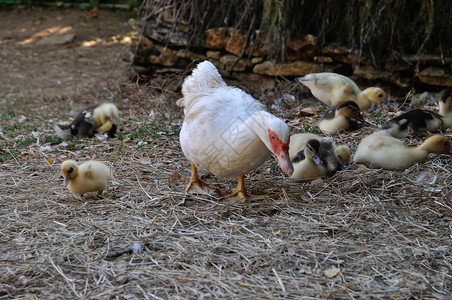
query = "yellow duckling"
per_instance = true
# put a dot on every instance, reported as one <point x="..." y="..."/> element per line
<point x="89" y="176"/>
<point x="380" y="150"/>
<point x="445" y="107"/>
<point x="307" y="163"/>
<point x="345" y="117"/>
<point x="334" y="89"/>
<point x="334" y="157"/>
<point x="344" y="155"/>
<point x="413" y="121"/>
<point x="101" y="118"/>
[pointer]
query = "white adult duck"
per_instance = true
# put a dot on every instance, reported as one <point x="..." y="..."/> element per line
<point x="226" y="131"/>
<point x="334" y="89"/>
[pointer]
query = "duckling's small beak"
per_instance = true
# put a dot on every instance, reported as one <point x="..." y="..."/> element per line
<point x="386" y="103"/>
<point x="66" y="180"/>
<point x="361" y="119"/>
<point x="316" y="158"/>
<point x="343" y="166"/>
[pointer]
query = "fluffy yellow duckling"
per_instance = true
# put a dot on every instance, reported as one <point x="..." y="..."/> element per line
<point x="445" y="107"/>
<point x="101" y="118"/>
<point x="345" y="117"/>
<point x="334" y="89"/>
<point x="307" y="163"/>
<point x="89" y="176"/>
<point x="413" y="121"/>
<point x="380" y="150"/>
<point x="334" y="157"/>
<point x="344" y="154"/>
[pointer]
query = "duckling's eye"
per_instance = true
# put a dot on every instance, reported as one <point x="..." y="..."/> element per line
<point x="380" y="95"/>
<point x="70" y="170"/>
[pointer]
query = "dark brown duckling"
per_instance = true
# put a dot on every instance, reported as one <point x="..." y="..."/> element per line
<point x="413" y="121"/>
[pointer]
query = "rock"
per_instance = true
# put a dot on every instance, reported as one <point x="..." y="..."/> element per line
<point x="307" y="41"/>
<point x="436" y="76"/>
<point x="344" y="55"/>
<point x="323" y="59"/>
<point x="216" y="38"/>
<point x="182" y="24"/>
<point x="430" y="59"/>
<point x="371" y="74"/>
<point x="187" y="54"/>
<point x="175" y="38"/>
<point x="57" y="37"/>
<point x="146" y="43"/>
<point x="213" y="54"/>
<point x="240" y="65"/>
<point x="297" y="68"/>
<point x="255" y="80"/>
<point x="168" y="57"/>
<point x="302" y="49"/>
<point x="237" y="40"/>
<point x="257" y="60"/>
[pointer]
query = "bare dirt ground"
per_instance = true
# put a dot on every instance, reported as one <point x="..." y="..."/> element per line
<point x="360" y="234"/>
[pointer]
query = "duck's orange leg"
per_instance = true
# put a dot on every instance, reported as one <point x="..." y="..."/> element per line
<point x="197" y="185"/>
<point x="240" y="193"/>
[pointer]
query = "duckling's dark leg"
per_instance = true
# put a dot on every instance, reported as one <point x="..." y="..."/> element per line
<point x="112" y="131"/>
<point x="196" y="185"/>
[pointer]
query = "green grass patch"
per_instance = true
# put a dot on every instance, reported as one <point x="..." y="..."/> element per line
<point x="310" y="128"/>
<point x="53" y="140"/>
<point x="16" y="127"/>
<point x="153" y="130"/>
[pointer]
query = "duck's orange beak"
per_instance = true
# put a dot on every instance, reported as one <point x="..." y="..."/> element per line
<point x="281" y="150"/>
<point x="284" y="163"/>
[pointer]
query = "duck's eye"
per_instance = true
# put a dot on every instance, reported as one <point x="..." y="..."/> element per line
<point x="380" y="95"/>
<point x="70" y="170"/>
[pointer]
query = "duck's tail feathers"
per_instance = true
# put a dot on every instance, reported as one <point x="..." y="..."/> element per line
<point x="204" y="77"/>
<point x="63" y="131"/>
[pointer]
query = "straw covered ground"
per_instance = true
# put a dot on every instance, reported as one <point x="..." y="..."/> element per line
<point x="360" y="234"/>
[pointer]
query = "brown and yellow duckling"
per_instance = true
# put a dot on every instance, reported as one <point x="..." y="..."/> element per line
<point x="345" y="117"/>
<point x="307" y="163"/>
<point x="413" y="121"/>
<point x="101" y="118"/>
<point x="323" y="156"/>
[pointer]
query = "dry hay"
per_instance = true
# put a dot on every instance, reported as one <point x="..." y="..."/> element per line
<point x="359" y="234"/>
